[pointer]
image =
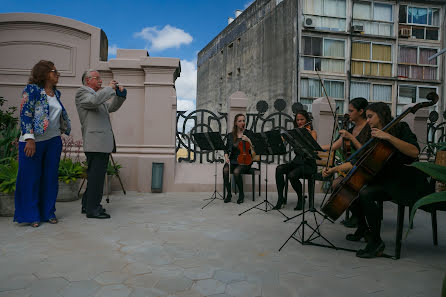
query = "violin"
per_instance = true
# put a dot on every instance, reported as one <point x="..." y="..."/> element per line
<point x="245" y="157"/>
<point x="346" y="143"/>
<point x="367" y="167"/>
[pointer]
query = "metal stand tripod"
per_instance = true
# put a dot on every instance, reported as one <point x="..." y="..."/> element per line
<point x="215" y="193"/>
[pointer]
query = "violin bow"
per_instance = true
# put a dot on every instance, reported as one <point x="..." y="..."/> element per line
<point x="335" y="117"/>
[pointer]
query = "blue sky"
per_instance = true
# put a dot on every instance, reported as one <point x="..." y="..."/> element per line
<point x="166" y="28"/>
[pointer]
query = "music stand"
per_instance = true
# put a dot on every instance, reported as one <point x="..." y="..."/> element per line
<point x="267" y="143"/>
<point x="210" y="141"/>
<point x="301" y="140"/>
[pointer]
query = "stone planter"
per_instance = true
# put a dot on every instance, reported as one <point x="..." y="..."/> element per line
<point x="7" y="206"/>
<point x="107" y="185"/>
<point x="68" y="192"/>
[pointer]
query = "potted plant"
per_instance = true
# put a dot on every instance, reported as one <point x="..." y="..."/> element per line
<point x="70" y="172"/>
<point x="112" y="170"/>
<point x="9" y="134"/>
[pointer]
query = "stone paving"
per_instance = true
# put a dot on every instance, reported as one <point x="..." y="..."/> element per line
<point x="165" y="245"/>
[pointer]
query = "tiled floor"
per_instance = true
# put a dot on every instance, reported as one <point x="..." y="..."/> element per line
<point x="165" y="245"/>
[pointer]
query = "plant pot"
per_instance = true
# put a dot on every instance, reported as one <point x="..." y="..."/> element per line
<point x="7" y="206"/>
<point x="107" y="185"/>
<point x="68" y="192"/>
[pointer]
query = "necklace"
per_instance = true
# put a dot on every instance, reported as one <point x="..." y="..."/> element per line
<point x="49" y="92"/>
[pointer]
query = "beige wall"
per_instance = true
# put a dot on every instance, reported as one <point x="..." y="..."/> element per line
<point x="144" y="127"/>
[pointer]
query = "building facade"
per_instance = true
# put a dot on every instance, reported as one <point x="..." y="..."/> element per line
<point x="378" y="50"/>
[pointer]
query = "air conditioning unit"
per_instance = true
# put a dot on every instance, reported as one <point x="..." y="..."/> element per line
<point x="404" y="32"/>
<point x="358" y="28"/>
<point x="309" y="22"/>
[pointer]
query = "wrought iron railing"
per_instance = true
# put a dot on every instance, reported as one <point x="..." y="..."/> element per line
<point x="202" y="120"/>
<point x="436" y="134"/>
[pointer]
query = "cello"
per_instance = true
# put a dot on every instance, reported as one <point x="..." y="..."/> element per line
<point x="377" y="153"/>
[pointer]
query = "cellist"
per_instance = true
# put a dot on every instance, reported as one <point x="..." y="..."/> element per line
<point x="396" y="181"/>
<point x="239" y="149"/>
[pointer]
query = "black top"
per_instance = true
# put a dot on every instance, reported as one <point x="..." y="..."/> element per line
<point x="404" y="183"/>
<point x="232" y="147"/>
<point x="364" y="135"/>
<point x="301" y="159"/>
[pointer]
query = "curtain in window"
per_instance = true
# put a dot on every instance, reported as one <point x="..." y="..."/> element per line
<point x="330" y="65"/>
<point x="381" y="52"/>
<point x="362" y="10"/>
<point x="374" y="69"/>
<point x="310" y="88"/>
<point x="333" y="24"/>
<point x="382" y="93"/>
<point x="403" y="71"/>
<point x="425" y="53"/>
<point x="309" y="64"/>
<point x="313" y="7"/>
<point x="340" y="106"/>
<point x="361" y="50"/>
<point x="385" y="69"/>
<point x="357" y="67"/>
<point x="307" y="103"/>
<point x="417" y="15"/>
<point x="334" y="48"/>
<point x="430" y="73"/>
<point x="334" y="89"/>
<point x="382" y="12"/>
<point x="330" y="8"/>
<point x="341" y="8"/>
<point x="416" y="72"/>
<point x="408" y="55"/>
<point x="385" y="29"/>
<point x="306" y="45"/>
<point x="358" y="89"/>
<point x="435" y="17"/>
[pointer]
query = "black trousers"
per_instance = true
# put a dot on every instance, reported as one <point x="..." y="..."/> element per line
<point x="97" y="168"/>
<point x="366" y="208"/>
<point x="295" y="172"/>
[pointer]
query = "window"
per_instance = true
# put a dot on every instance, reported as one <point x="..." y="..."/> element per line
<point x="371" y="92"/>
<point x="412" y="94"/>
<point x="326" y="14"/>
<point x="425" y="21"/>
<point x="370" y="58"/>
<point x="413" y="63"/>
<point x="376" y="18"/>
<point x="323" y="54"/>
<point x="312" y="88"/>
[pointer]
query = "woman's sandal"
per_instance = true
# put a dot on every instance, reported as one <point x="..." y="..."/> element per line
<point x="53" y="221"/>
<point x="35" y="224"/>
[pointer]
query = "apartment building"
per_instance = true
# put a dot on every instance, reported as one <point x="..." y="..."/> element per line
<point x="374" y="49"/>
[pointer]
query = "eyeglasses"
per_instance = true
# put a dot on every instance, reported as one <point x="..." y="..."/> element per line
<point x="96" y="77"/>
<point x="55" y="72"/>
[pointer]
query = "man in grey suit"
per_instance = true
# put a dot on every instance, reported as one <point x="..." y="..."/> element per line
<point x="94" y="105"/>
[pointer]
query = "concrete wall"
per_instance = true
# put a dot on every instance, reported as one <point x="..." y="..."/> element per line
<point x="255" y="54"/>
<point x="145" y="125"/>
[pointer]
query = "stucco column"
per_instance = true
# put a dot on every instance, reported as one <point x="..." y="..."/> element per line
<point x="159" y="120"/>
<point x="418" y="123"/>
<point x="237" y="103"/>
<point x="323" y="119"/>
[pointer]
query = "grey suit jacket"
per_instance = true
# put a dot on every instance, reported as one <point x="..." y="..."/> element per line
<point x="93" y="109"/>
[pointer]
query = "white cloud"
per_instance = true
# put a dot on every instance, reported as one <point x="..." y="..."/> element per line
<point x="167" y="37"/>
<point x="112" y="50"/>
<point x="248" y="4"/>
<point x="185" y="105"/>
<point x="186" y="84"/>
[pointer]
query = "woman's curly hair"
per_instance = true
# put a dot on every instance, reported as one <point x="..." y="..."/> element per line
<point x="39" y="73"/>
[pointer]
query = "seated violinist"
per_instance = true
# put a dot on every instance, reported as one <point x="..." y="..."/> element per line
<point x="395" y="181"/>
<point x="238" y="157"/>
<point x="298" y="168"/>
<point x="358" y="134"/>
<point x="353" y="138"/>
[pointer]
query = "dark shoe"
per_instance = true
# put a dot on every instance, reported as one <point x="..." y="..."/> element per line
<point x="359" y="233"/>
<point x="53" y="221"/>
<point x="300" y="204"/>
<point x="227" y="199"/>
<point x="240" y="199"/>
<point x="84" y="210"/>
<point x="372" y="250"/>
<point x="279" y="204"/>
<point x="103" y="215"/>
<point x="352" y="222"/>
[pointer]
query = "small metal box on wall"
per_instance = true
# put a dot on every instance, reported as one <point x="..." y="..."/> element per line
<point x="157" y="177"/>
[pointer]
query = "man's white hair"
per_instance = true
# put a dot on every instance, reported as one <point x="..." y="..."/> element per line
<point x="87" y="74"/>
